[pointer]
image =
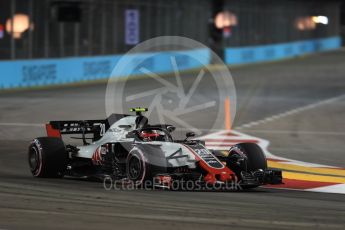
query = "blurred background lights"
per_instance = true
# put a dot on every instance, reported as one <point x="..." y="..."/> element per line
<point x="21" y="23"/>
<point x="320" y="19"/>
<point x="225" y="19"/>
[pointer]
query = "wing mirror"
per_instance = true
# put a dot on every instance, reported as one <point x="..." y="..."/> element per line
<point x="189" y="134"/>
<point x="171" y="128"/>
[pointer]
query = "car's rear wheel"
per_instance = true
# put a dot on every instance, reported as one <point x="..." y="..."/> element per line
<point x="47" y="157"/>
<point x="137" y="167"/>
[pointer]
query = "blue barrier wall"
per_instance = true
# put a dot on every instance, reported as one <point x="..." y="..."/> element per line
<point x="27" y="73"/>
<point x="252" y="54"/>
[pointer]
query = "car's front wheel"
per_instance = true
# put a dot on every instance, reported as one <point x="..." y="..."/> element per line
<point x="246" y="158"/>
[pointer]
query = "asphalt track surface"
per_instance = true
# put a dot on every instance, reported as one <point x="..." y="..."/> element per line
<point x="314" y="134"/>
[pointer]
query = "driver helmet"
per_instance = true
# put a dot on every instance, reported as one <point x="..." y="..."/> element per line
<point x="149" y="135"/>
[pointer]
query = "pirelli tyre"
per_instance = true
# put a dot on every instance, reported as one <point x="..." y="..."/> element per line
<point x="141" y="168"/>
<point x="47" y="157"/>
<point x="256" y="158"/>
<point x="138" y="169"/>
<point x="246" y="157"/>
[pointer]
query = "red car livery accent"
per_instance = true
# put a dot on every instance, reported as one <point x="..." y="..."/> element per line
<point x="216" y="171"/>
<point x="97" y="157"/>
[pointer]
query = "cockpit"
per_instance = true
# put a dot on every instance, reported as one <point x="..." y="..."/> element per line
<point x="154" y="134"/>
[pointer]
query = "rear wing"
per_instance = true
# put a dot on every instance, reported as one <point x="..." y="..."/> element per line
<point x="95" y="127"/>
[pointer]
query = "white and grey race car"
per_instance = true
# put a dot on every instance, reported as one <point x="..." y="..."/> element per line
<point x="127" y="147"/>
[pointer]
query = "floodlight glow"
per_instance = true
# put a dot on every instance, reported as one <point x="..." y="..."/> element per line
<point x="21" y="23"/>
<point x="320" y="19"/>
<point x="225" y="19"/>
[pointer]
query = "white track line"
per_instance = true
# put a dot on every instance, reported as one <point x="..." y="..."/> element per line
<point x="297" y="132"/>
<point x="290" y="112"/>
<point x="338" y="188"/>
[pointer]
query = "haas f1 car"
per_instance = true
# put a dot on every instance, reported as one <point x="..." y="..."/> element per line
<point x="128" y="148"/>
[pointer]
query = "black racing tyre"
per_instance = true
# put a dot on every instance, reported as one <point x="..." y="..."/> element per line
<point x="47" y="157"/>
<point x="256" y="157"/>
<point x="138" y="169"/>
<point x="255" y="161"/>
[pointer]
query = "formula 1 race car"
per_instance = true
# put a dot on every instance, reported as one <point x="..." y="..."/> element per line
<point x="128" y="148"/>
